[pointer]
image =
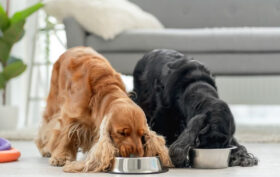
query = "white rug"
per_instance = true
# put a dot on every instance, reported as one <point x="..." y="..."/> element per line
<point x="105" y="18"/>
<point x="25" y="134"/>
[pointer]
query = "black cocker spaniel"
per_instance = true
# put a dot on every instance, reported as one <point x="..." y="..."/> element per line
<point x="180" y="99"/>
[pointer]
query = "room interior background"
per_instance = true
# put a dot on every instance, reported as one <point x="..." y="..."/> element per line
<point x="252" y="98"/>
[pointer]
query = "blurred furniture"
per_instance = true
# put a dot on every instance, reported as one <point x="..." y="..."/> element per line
<point x="232" y="37"/>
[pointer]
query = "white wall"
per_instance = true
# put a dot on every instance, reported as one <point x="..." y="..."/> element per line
<point x="250" y="89"/>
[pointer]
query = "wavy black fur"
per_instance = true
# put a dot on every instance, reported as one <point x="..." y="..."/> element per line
<point x="180" y="99"/>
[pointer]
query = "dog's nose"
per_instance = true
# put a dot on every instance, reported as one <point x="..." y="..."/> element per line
<point x="124" y="151"/>
<point x="127" y="150"/>
<point x="137" y="151"/>
<point x="140" y="151"/>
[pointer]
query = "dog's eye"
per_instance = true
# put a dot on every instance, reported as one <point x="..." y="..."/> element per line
<point x="122" y="133"/>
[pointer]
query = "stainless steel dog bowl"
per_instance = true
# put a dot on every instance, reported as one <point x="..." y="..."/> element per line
<point x="137" y="165"/>
<point x="210" y="158"/>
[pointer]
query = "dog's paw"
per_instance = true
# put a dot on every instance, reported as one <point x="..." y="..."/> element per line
<point x="249" y="161"/>
<point x="58" y="160"/>
<point x="179" y="157"/>
<point x="74" y="167"/>
<point x="244" y="161"/>
<point x="241" y="157"/>
<point x="46" y="154"/>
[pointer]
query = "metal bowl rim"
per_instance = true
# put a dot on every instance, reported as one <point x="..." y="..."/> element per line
<point x="163" y="170"/>
<point x="230" y="147"/>
<point x="134" y="158"/>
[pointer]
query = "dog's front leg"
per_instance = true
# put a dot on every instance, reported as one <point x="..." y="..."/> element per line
<point x="179" y="150"/>
<point x="62" y="153"/>
<point x="63" y="148"/>
<point x="241" y="157"/>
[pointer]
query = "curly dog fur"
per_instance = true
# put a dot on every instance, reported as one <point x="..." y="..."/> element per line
<point x="180" y="99"/>
<point x="88" y="108"/>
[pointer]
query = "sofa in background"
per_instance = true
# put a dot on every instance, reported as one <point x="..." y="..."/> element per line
<point x="232" y="37"/>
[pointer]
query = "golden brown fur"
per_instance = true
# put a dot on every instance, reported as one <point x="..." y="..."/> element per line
<point x="88" y="108"/>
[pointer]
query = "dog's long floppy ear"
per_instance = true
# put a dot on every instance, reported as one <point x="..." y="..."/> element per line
<point x="101" y="155"/>
<point x="154" y="145"/>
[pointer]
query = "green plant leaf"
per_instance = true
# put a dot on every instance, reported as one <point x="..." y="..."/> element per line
<point x="2" y="81"/>
<point x="14" y="33"/>
<point x="22" y="15"/>
<point x="4" y="20"/>
<point x="5" y="49"/>
<point x="13" y="59"/>
<point x="13" y="70"/>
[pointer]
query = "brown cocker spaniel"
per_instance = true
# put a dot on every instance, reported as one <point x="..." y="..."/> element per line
<point x="88" y="108"/>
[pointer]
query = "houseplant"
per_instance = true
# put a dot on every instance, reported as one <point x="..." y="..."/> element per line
<point x="11" y="31"/>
